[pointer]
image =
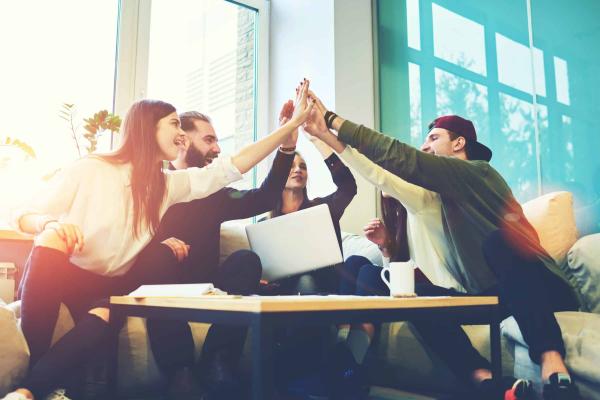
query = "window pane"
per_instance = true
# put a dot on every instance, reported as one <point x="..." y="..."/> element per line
<point x="458" y="40"/>
<point x="414" y="87"/>
<point x="460" y="96"/>
<point x="54" y="52"/>
<point x="516" y="158"/>
<point x="413" y="25"/>
<point x="514" y="65"/>
<point x="561" y="73"/>
<point x="205" y="62"/>
<point x="569" y="148"/>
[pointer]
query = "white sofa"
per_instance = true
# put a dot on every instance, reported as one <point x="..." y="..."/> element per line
<point x="400" y="360"/>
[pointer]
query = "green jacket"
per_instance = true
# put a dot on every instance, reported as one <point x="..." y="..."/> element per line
<point x="476" y="201"/>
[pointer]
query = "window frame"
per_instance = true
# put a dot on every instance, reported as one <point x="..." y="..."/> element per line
<point x="133" y="43"/>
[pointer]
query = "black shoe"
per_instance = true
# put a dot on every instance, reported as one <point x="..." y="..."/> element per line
<point x="509" y="388"/>
<point x="560" y="387"/>
<point x="348" y="379"/>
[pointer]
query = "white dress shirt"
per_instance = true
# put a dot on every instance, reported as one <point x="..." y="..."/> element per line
<point x="96" y="196"/>
<point x="427" y="243"/>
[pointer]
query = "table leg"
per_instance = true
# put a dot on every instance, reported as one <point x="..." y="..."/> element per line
<point x="262" y="363"/>
<point x="495" y="345"/>
<point x="115" y="323"/>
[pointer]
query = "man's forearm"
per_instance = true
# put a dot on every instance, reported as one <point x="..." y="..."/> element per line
<point x="331" y="140"/>
<point x="323" y="148"/>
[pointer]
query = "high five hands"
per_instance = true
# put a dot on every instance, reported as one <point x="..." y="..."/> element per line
<point x="303" y="105"/>
<point x="315" y="123"/>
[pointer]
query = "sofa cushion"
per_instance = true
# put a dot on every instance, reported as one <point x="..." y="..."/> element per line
<point x="581" y="334"/>
<point x="358" y="245"/>
<point x="553" y="218"/>
<point x="583" y="268"/>
<point x="14" y="353"/>
<point x="233" y="238"/>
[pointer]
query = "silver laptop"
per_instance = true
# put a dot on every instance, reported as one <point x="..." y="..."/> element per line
<point x="295" y="243"/>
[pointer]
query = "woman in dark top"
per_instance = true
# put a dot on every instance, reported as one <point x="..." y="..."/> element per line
<point x="294" y="197"/>
<point x="306" y="346"/>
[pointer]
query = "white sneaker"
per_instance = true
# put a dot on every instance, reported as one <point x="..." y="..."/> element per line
<point x="15" y="396"/>
<point x="58" y="394"/>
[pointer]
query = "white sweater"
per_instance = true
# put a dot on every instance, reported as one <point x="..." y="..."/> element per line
<point x="426" y="237"/>
<point x="96" y="196"/>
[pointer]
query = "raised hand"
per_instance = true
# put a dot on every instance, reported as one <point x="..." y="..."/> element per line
<point x="287" y="110"/>
<point x="377" y="233"/>
<point x="303" y="105"/>
<point x="286" y="113"/>
<point x="315" y="123"/>
<point x="318" y="103"/>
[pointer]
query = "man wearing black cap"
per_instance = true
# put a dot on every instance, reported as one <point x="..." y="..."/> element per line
<point x="497" y="251"/>
<point x="451" y="134"/>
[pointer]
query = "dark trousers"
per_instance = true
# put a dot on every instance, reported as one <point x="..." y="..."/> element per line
<point x="51" y="279"/>
<point x="526" y="290"/>
<point x="172" y="342"/>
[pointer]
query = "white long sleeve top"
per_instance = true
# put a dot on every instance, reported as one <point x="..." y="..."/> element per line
<point x="426" y="237"/>
<point x="96" y="196"/>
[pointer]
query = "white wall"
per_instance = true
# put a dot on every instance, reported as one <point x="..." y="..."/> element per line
<point x="329" y="42"/>
<point x="302" y="45"/>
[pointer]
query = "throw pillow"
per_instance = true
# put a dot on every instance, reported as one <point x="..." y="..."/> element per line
<point x="583" y="266"/>
<point x="357" y="245"/>
<point x="14" y="353"/>
<point x="553" y="218"/>
<point x="233" y="238"/>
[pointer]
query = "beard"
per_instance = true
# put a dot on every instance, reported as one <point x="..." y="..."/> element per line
<point x="195" y="158"/>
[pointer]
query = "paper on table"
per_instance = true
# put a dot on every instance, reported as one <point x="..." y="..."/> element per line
<point x="181" y="290"/>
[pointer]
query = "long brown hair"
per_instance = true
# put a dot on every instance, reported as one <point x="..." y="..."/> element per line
<point x="140" y="148"/>
<point x="395" y="220"/>
<point x="276" y="212"/>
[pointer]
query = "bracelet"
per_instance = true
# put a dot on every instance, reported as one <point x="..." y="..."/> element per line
<point x="329" y="117"/>
<point x="288" y="150"/>
<point x="46" y="223"/>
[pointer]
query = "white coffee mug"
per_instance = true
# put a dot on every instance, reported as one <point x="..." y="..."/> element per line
<point x="402" y="278"/>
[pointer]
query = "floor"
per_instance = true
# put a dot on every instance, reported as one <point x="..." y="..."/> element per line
<point x="380" y="393"/>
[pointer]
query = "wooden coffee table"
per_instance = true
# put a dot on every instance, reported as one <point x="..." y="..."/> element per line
<point x="263" y="313"/>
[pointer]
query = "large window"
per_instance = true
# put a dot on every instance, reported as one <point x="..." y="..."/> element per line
<point x="104" y="55"/>
<point x="525" y="80"/>
<point x="53" y="52"/>
<point x="206" y="62"/>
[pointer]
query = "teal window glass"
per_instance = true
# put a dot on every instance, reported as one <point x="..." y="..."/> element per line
<point x="528" y="83"/>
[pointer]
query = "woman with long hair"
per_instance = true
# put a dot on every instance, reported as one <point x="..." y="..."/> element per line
<point x="294" y="198"/>
<point x="410" y="229"/>
<point x="93" y="225"/>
